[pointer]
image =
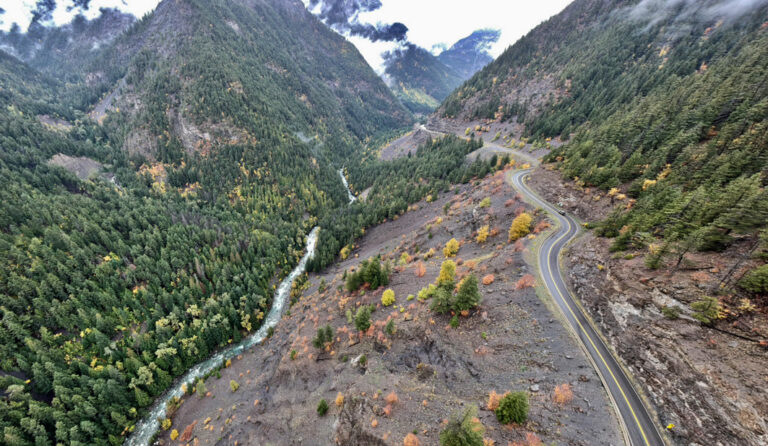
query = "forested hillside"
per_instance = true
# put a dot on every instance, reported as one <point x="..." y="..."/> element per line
<point x="664" y="104"/>
<point x="219" y="128"/>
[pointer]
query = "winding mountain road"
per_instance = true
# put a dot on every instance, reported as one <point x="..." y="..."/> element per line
<point x="638" y="425"/>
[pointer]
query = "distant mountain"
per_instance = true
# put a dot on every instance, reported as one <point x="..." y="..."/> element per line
<point x="61" y="51"/>
<point x="419" y="79"/>
<point x="205" y="71"/>
<point x="470" y="54"/>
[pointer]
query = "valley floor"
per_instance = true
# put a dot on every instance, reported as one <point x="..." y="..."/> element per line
<point x="513" y="341"/>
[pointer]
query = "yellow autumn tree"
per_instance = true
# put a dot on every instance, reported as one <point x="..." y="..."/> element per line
<point x="451" y="248"/>
<point x="447" y="272"/>
<point x="482" y="234"/>
<point x="521" y="226"/>
<point x="388" y="298"/>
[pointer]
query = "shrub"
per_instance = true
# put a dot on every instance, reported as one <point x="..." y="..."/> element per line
<point x="447" y="274"/>
<point x="482" y="234"/>
<point x="363" y="360"/>
<point x="513" y="408"/>
<point x="390" y="327"/>
<point x="166" y="424"/>
<point x="233" y="385"/>
<point x="707" y="310"/>
<point x="363" y="318"/>
<point x="388" y="298"/>
<point x="322" y="407"/>
<point x="463" y="430"/>
<point x="525" y="282"/>
<point x="493" y="400"/>
<point x="454" y="323"/>
<point x="200" y="388"/>
<point x="420" y="269"/>
<point x="670" y="312"/>
<point x="468" y="296"/>
<point x="442" y="301"/>
<point x="486" y="202"/>
<point x="371" y="272"/>
<point x="339" y="399"/>
<point x="427" y="292"/>
<point x="756" y="281"/>
<point x="451" y="248"/>
<point x="563" y="394"/>
<point x="174" y="434"/>
<point x="344" y="253"/>
<point x="405" y="259"/>
<point x="391" y="398"/>
<point x="411" y="440"/>
<point x="488" y="279"/>
<point x="521" y="226"/>
<point x="293" y="354"/>
<point x="324" y="336"/>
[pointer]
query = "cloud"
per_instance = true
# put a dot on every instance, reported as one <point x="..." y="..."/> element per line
<point x="655" y="11"/>
<point x="344" y="16"/>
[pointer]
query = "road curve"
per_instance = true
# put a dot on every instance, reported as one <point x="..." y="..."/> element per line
<point x="639" y="427"/>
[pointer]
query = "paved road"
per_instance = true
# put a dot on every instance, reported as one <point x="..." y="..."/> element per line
<point x="639" y="426"/>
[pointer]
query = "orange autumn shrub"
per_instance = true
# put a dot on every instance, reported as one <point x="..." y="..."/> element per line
<point x="411" y="440"/>
<point x="525" y="282"/>
<point x="563" y="394"/>
<point x="487" y="280"/>
<point x="493" y="400"/>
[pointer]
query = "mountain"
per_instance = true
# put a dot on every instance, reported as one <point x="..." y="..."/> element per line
<point x="422" y="80"/>
<point x="211" y="70"/>
<point x="59" y="51"/>
<point x="470" y="54"/>
<point x="418" y="78"/>
<point x="152" y="195"/>
<point x="666" y="103"/>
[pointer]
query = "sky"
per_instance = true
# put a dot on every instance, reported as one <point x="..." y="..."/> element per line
<point x="430" y="22"/>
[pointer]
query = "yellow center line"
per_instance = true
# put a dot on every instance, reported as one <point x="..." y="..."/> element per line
<point x="581" y="327"/>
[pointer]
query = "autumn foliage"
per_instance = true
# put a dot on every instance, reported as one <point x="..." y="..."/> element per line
<point x="411" y="440"/>
<point x="525" y="282"/>
<point x="482" y="234"/>
<point x="451" y="248"/>
<point x="487" y="280"/>
<point x="493" y="400"/>
<point x="563" y="394"/>
<point x="521" y="226"/>
<point x="420" y="269"/>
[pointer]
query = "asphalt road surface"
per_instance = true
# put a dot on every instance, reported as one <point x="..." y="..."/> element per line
<point x="639" y="427"/>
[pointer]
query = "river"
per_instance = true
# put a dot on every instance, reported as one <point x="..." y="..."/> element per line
<point x="149" y="425"/>
<point x="351" y="196"/>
